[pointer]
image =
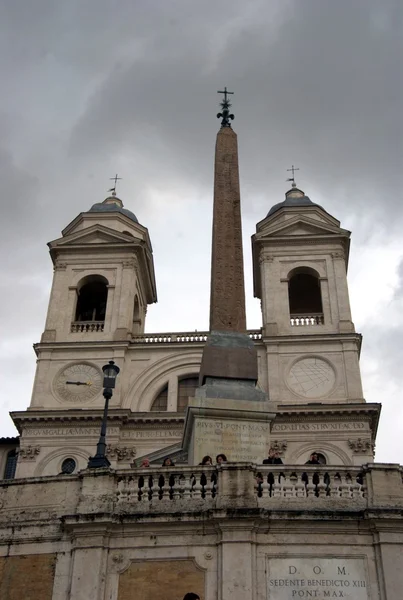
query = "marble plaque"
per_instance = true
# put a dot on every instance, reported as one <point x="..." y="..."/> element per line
<point x="239" y="440"/>
<point x="291" y="578"/>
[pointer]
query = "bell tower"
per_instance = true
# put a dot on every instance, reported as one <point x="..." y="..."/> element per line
<point x="103" y="281"/>
<point x="300" y="256"/>
<point x="103" y="276"/>
<point x="300" y="260"/>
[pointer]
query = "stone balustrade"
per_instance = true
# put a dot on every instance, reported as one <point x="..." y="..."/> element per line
<point x="183" y="338"/>
<point x="310" y="482"/>
<point x="164" y="483"/>
<point x="187" y="489"/>
<point x="87" y="326"/>
<point x="306" y="320"/>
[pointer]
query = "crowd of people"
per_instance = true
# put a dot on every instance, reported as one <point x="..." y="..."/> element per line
<point x="207" y="461"/>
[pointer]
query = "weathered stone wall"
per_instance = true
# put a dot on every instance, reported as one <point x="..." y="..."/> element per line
<point x="153" y="533"/>
<point x="27" y="577"/>
<point x="151" y="580"/>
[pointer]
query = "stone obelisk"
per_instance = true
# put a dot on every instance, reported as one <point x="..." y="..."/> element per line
<point x="228" y="414"/>
<point x="229" y="356"/>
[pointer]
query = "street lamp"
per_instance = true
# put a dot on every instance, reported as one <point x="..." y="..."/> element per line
<point x="110" y="374"/>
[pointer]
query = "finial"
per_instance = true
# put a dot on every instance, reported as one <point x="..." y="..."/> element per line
<point x="293" y="169"/>
<point x="225" y="106"/>
<point x="115" y="179"/>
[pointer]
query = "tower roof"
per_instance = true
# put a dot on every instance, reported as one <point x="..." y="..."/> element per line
<point x="294" y="197"/>
<point x="113" y="204"/>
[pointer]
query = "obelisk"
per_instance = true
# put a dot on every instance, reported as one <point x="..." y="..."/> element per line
<point x="228" y="414"/>
<point x="229" y="363"/>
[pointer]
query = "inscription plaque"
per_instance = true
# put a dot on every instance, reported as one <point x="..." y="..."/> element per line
<point x="291" y="578"/>
<point x="238" y="440"/>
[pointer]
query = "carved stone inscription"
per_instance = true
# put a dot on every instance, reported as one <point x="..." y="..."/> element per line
<point x="94" y="431"/>
<point x="238" y="440"/>
<point x="307" y="577"/>
<point x="343" y="426"/>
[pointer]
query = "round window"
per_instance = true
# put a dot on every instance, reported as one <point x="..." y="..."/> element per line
<point x="68" y="466"/>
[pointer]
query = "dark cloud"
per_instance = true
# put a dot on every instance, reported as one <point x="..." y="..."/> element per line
<point x="91" y="89"/>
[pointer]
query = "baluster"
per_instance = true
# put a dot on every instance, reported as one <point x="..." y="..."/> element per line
<point x="277" y="491"/>
<point x="345" y="487"/>
<point x="335" y="490"/>
<point x="174" y="483"/>
<point x="122" y="493"/>
<point x="197" y="488"/>
<point x="187" y="483"/>
<point x="300" y="488"/>
<point x="288" y="487"/>
<point x="266" y="487"/>
<point x="322" y="487"/>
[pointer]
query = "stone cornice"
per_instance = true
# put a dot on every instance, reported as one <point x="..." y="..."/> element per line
<point x="42" y="418"/>
<point x="331" y="412"/>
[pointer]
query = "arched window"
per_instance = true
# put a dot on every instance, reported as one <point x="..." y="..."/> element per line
<point x="161" y="401"/>
<point x="11" y="464"/>
<point x="304" y="292"/>
<point x="186" y="389"/>
<point x="92" y="298"/>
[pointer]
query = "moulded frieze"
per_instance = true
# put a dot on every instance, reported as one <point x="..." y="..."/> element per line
<point x="361" y="446"/>
<point x="29" y="453"/>
<point x="121" y="453"/>
<point x="279" y="446"/>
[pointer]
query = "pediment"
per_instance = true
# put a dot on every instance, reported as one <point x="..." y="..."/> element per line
<point x="97" y="234"/>
<point x="300" y="226"/>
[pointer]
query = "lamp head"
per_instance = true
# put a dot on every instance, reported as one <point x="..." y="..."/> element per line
<point x="110" y="374"/>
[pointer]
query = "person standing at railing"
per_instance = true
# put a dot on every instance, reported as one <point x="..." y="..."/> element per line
<point x="220" y="458"/>
<point x="273" y="458"/>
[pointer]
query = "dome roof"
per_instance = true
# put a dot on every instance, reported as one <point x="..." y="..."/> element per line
<point x="294" y="197"/>
<point x="113" y="204"/>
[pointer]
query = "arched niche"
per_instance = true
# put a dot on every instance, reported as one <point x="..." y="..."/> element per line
<point x="304" y="293"/>
<point x="92" y="297"/>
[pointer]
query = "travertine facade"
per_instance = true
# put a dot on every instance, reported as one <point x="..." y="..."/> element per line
<point x="238" y="531"/>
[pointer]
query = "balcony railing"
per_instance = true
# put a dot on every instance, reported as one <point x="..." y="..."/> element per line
<point x="153" y="485"/>
<point x="178" y="487"/>
<point x="306" y="320"/>
<point x="182" y="490"/>
<point x="187" y="337"/>
<point x="314" y="482"/>
<point x="87" y="326"/>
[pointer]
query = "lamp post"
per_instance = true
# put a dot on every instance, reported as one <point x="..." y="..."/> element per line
<point x="110" y="374"/>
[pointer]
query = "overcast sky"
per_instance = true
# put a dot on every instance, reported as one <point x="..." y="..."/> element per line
<point x="95" y="87"/>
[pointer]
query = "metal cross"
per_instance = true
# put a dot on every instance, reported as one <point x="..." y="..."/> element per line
<point x="115" y="179"/>
<point x="225" y="93"/>
<point x="293" y="169"/>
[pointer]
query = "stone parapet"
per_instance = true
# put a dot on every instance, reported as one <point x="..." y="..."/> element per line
<point x="196" y="488"/>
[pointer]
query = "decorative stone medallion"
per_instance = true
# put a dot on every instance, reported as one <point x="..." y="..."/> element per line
<point x="311" y="377"/>
<point x="79" y="382"/>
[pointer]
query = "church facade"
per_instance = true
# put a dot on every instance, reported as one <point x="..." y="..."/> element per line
<point x="240" y="530"/>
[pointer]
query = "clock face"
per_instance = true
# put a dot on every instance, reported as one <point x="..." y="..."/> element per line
<point x="90" y="378"/>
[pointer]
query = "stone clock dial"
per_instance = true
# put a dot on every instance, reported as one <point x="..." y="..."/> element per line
<point x="311" y="377"/>
<point x="80" y="372"/>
